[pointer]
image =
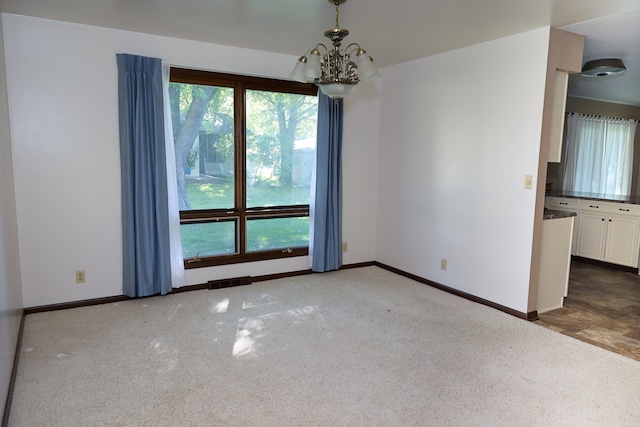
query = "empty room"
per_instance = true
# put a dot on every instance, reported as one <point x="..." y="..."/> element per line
<point x="312" y="212"/>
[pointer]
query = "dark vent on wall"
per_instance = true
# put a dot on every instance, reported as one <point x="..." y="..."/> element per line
<point x="227" y="283"/>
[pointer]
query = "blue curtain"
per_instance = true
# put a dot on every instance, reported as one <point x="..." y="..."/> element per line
<point x="327" y="220"/>
<point x="145" y="214"/>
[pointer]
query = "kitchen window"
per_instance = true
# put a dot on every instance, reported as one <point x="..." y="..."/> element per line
<point x="598" y="154"/>
<point x="245" y="150"/>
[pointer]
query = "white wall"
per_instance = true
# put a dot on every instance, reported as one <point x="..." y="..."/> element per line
<point x="360" y="171"/>
<point x="441" y="175"/>
<point x="459" y="131"/>
<point x="10" y="288"/>
<point x="63" y="101"/>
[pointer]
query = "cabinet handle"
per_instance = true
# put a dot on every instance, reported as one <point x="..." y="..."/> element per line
<point x="623" y="210"/>
<point x="594" y="206"/>
<point x="609" y="220"/>
<point x="563" y="203"/>
<point x="603" y="219"/>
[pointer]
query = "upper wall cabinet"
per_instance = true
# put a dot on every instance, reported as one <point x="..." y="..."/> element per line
<point x="565" y="56"/>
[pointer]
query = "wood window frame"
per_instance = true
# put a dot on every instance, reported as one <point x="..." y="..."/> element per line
<point x="240" y="212"/>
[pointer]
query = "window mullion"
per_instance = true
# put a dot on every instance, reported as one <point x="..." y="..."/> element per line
<point x="241" y="164"/>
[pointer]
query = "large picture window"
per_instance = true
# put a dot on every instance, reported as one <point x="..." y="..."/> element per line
<point x="245" y="151"/>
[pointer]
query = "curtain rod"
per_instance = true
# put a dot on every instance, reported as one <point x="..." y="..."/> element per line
<point x="595" y="116"/>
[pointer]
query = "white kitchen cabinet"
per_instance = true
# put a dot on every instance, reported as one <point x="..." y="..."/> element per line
<point x="621" y="245"/>
<point x="609" y="232"/>
<point x="591" y="235"/>
<point x="562" y="203"/>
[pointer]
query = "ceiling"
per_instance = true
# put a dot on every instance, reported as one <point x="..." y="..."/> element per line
<point x="614" y="36"/>
<point x="392" y="31"/>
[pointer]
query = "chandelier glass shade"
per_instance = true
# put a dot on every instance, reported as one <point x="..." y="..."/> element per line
<point x="333" y="69"/>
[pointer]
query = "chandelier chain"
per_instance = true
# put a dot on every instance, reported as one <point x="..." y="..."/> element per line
<point x="334" y="69"/>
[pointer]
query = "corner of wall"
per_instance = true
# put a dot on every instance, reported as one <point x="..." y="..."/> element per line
<point x="10" y="280"/>
<point x="565" y="54"/>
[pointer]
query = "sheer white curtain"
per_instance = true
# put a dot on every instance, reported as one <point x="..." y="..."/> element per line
<point x="598" y="156"/>
<point x="177" y="262"/>
<point x="312" y="207"/>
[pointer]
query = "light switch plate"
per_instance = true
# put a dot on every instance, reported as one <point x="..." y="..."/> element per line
<point x="528" y="182"/>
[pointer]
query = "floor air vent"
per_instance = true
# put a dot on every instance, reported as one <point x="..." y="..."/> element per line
<point x="227" y="283"/>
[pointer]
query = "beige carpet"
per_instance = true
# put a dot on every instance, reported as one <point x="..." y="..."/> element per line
<point x="361" y="347"/>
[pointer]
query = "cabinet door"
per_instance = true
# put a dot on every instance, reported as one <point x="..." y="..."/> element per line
<point x="591" y="235"/>
<point x="622" y="240"/>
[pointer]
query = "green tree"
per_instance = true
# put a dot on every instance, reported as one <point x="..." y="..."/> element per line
<point x="281" y="118"/>
<point x="186" y="130"/>
<point x="195" y="108"/>
<point x="274" y="122"/>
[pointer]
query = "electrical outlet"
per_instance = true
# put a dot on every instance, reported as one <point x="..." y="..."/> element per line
<point x="80" y="276"/>
<point x="443" y="264"/>
<point x="344" y="246"/>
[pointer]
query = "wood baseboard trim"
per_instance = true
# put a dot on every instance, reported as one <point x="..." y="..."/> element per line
<point x="107" y="300"/>
<point x="76" y="304"/>
<point x="119" y="298"/>
<point x="358" y="265"/>
<point x="604" y="264"/>
<point x="14" y="372"/>
<point x="526" y="316"/>
<point x="214" y="284"/>
<point x="532" y="316"/>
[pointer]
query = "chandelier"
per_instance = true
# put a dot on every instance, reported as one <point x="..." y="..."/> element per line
<point x="332" y="69"/>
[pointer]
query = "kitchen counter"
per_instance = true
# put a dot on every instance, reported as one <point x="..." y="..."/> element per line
<point x="553" y="214"/>
<point x="595" y="196"/>
<point x="605" y="229"/>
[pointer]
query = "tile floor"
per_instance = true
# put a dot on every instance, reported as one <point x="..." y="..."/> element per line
<point x="602" y="308"/>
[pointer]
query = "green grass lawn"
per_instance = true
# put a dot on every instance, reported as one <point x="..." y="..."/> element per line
<point x="218" y="238"/>
<point x="217" y="193"/>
